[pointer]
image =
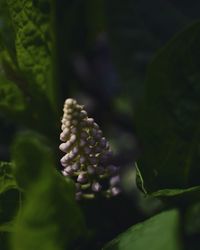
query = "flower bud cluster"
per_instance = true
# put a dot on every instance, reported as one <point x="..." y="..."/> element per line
<point x="87" y="154"/>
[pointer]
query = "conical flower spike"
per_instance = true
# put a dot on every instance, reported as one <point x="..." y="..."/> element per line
<point x="87" y="154"/>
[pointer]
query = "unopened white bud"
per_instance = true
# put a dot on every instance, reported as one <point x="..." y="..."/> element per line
<point x="65" y="146"/>
<point x="103" y="142"/>
<point x="69" y="170"/>
<point x="115" y="191"/>
<point x="82" y="178"/>
<point x="115" y="181"/>
<point x="96" y="187"/>
<point x="90" y="121"/>
<point x="70" y="102"/>
<point x="72" y="138"/>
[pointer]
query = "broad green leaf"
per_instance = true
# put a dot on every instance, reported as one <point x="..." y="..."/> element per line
<point x="187" y="195"/>
<point x="168" y="121"/>
<point x="33" y="42"/>
<point x="157" y="233"/>
<point x="50" y="218"/>
<point x="30" y="155"/>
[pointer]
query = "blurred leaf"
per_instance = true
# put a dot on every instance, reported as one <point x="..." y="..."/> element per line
<point x="7" y="227"/>
<point x="30" y="155"/>
<point x="168" y="121"/>
<point x="33" y="42"/>
<point x="50" y="218"/>
<point x="157" y="233"/>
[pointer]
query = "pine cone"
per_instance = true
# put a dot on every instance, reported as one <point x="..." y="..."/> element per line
<point x="87" y="154"/>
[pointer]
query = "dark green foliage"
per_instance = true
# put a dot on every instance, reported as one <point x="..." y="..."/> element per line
<point x="50" y="218"/>
<point x="159" y="232"/>
<point x="168" y="120"/>
<point x="32" y="43"/>
<point x="11" y="98"/>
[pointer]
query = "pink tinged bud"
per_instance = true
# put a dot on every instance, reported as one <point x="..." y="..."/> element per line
<point x="91" y="170"/>
<point x="75" y="166"/>
<point x="74" y="130"/>
<point x="96" y="187"/>
<point x="82" y="178"/>
<point x="115" y="181"/>
<point x="69" y="170"/>
<point x="103" y="142"/>
<point x="68" y="111"/>
<point x="115" y="191"/>
<point x="112" y="170"/>
<point x="103" y="159"/>
<point x="63" y="126"/>
<point x="67" y="124"/>
<point x="87" y="150"/>
<point x="99" y="134"/>
<point x="82" y="159"/>
<point x="74" y="122"/>
<point x="98" y="150"/>
<point x="83" y="114"/>
<point x="107" y="145"/>
<point x="84" y="134"/>
<point x="82" y="143"/>
<point x="93" y="160"/>
<point x="90" y="121"/>
<point x="94" y="131"/>
<point x="65" y="146"/>
<point x="75" y="150"/>
<point x="64" y="161"/>
<point x="95" y="125"/>
<point x="70" y="102"/>
<point x="64" y="134"/>
<point x="79" y="196"/>
<point x="63" y="120"/>
<point x="72" y="138"/>
<point x="65" y="173"/>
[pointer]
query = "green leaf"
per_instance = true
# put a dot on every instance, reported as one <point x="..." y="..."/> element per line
<point x="30" y="155"/>
<point x="157" y="233"/>
<point x="168" y="121"/>
<point x="50" y="218"/>
<point x="7" y="180"/>
<point x="33" y="42"/>
<point x="7" y="227"/>
<point x="187" y="195"/>
<point x="11" y="99"/>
